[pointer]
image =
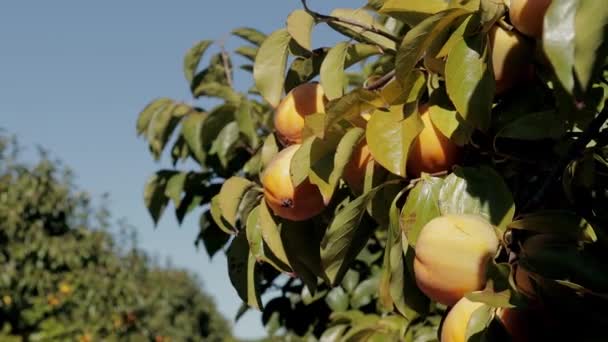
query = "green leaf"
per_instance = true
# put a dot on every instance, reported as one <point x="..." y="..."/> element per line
<point x="254" y="234"/>
<point x="559" y="40"/>
<point x="216" y="89"/>
<point x="215" y="80"/>
<point x="270" y="63"/>
<point x="212" y="236"/>
<point x="244" y="119"/>
<point x="215" y="121"/>
<point x="243" y="273"/>
<point x="361" y="17"/>
<point x="446" y="119"/>
<point x="192" y="127"/>
<point x="419" y="39"/>
<point x="193" y="58"/>
<point x="412" y="12"/>
<point x="269" y="149"/>
<point x="224" y="145"/>
<point x="248" y="52"/>
<point x="154" y="193"/>
<point x="591" y="24"/>
<point x="337" y="299"/>
<point x="350" y="106"/>
<point x="534" y="126"/>
<point x="470" y="82"/>
<point x="365" y="292"/>
<point x="299" y="26"/>
<point x="478" y="323"/>
<point x="301" y="242"/>
<point x="562" y="223"/>
<point x="345" y="237"/>
<point x="271" y="234"/>
<point x="250" y="34"/>
<point x="220" y="221"/>
<point x="333" y="333"/>
<point x="360" y="51"/>
<point x="161" y="126"/>
<point x="327" y="166"/>
<point x="478" y="191"/>
<point x="175" y="186"/>
<point x="421" y="206"/>
<point x="146" y="115"/>
<point x="497" y="292"/>
<point x="490" y="12"/>
<point x="180" y="150"/>
<point x="332" y="71"/>
<point x="350" y="281"/>
<point x="389" y="137"/>
<point x="232" y="193"/>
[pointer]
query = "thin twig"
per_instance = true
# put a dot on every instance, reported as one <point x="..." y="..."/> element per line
<point x="329" y="18"/>
<point x="382" y="81"/>
<point x="575" y="149"/>
<point x="226" y="63"/>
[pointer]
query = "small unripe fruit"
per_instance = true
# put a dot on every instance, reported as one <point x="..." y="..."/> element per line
<point x="301" y="101"/>
<point x="431" y="151"/>
<point x="528" y="15"/>
<point x="286" y="201"/>
<point x="354" y="171"/>
<point x="511" y="57"/>
<point x="454" y="327"/>
<point x="452" y="253"/>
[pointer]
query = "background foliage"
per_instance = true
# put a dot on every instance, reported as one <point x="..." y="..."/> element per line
<point x="63" y="277"/>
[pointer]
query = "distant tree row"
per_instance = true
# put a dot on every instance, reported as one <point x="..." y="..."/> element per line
<point x="64" y="277"/>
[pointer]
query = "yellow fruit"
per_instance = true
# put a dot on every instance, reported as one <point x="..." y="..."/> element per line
<point x="527" y="16"/>
<point x="65" y="288"/>
<point x="511" y="57"/>
<point x="431" y="151"/>
<point x="452" y="253"/>
<point x="286" y="201"/>
<point x="301" y="101"/>
<point x="454" y="327"/>
<point x="354" y="171"/>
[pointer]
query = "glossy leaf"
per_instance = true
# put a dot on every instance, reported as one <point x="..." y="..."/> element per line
<point x="446" y="119"/>
<point x="191" y="131"/>
<point x="591" y="24"/>
<point x="421" y="206"/>
<point x="389" y="137"/>
<point x="419" y="39"/>
<point x="361" y="17"/>
<point x="154" y="193"/>
<point x="299" y="26"/>
<point x="345" y="237"/>
<point x="242" y="270"/>
<point x="562" y="223"/>
<point x="213" y="238"/>
<point x="245" y="121"/>
<point x="470" y="82"/>
<point x="559" y="40"/>
<point x="478" y="191"/>
<point x="250" y="34"/>
<point x="332" y="71"/>
<point x="478" y="323"/>
<point x="193" y="58"/>
<point x="270" y="64"/>
<point x="230" y="197"/>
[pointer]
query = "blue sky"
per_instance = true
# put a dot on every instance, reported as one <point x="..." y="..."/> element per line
<point x="74" y="75"/>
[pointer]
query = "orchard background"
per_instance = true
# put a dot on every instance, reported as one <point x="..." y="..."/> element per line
<point x="435" y="173"/>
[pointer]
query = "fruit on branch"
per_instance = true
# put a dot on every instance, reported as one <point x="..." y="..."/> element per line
<point x="452" y="253"/>
<point x="454" y="328"/>
<point x="354" y="171"/>
<point x="511" y="58"/>
<point x="303" y="100"/>
<point x="528" y="15"/>
<point x="431" y="151"/>
<point x="296" y="203"/>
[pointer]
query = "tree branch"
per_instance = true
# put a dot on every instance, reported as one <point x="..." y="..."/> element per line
<point x="575" y="149"/>
<point x="381" y="82"/>
<point x="328" y="18"/>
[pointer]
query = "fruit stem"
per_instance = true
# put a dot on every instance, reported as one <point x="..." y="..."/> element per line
<point x="328" y="18"/>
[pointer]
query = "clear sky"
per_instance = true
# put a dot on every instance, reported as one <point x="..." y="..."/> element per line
<point x="74" y="75"/>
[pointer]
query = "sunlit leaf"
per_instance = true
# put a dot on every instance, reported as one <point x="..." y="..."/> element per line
<point x="270" y="64"/>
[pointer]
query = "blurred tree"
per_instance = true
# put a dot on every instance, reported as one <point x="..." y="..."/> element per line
<point x="64" y="277"/>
